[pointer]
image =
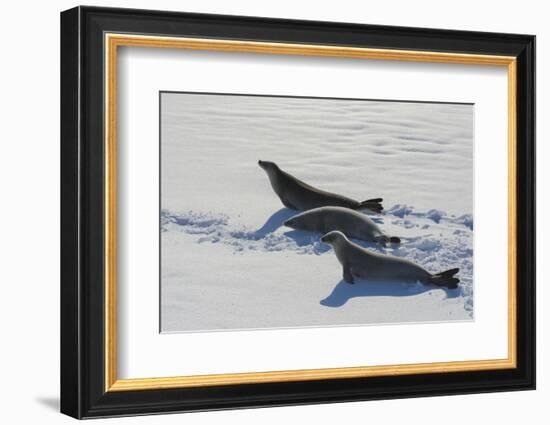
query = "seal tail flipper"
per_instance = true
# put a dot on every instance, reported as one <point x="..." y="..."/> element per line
<point x="374" y="205"/>
<point x="446" y="279"/>
<point x="385" y="240"/>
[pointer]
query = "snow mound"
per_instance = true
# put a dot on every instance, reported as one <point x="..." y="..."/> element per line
<point x="467" y="220"/>
<point x="436" y="215"/>
<point x="400" y="210"/>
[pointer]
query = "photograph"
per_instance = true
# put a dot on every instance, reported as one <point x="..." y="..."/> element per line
<point x="294" y="212"/>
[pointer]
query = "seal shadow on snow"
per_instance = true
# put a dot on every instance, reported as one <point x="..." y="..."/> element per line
<point x="274" y="222"/>
<point x="300" y="238"/>
<point x="344" y="291"/>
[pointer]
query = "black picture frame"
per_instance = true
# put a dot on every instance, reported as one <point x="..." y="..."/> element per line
<point x="83" y="392"/>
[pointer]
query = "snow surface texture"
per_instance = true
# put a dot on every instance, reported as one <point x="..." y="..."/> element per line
<point x="227" y="262"/>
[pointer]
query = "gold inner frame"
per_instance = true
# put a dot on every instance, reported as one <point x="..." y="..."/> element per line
<point x="113" y="41"/>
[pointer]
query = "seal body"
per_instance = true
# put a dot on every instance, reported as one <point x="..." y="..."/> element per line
<point x="300" y="196"/>
<point x="362" y="263"/>
<point x="352" y="223"/>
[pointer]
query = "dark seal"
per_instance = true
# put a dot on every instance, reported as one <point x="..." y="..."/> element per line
<point x="300" y="196"/>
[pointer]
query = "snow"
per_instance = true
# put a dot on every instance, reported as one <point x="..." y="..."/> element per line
<point x="228" y="262"/>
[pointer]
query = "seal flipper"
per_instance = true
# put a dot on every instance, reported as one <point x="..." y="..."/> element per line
<point x="385" y="240"/>
<point x="374" y="205"/>
<point x="446" y="278"/>
<point x="348" y="277"/>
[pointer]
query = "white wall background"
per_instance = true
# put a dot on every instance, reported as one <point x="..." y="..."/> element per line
<point x="29" y="211"/>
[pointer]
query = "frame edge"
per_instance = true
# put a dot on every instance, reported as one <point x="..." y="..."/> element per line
<point x="70" y="348"/>
<point x="526" y="150"/>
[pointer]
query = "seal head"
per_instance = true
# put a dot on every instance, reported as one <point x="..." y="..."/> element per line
<point x="268" y="166"/>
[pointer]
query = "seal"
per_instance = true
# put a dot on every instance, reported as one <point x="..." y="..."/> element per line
<point x="362" y="263"/>
<point x="352" y="223"/>
<point x="300" y="196"/>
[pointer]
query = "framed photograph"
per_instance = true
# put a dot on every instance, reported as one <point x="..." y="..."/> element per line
<point x="261" y="212"/>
